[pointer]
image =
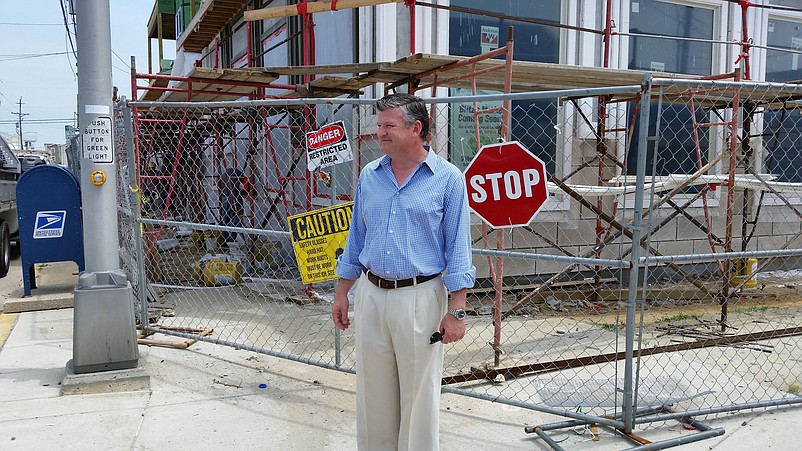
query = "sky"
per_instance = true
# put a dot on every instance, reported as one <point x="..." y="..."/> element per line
<point x="48" y="85"/>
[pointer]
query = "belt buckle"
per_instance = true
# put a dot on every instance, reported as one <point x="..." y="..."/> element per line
<point x="385" y="284"/>
<point x="391" y="284"/>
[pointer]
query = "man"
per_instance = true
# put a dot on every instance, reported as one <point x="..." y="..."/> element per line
<point x="410" y="223"/>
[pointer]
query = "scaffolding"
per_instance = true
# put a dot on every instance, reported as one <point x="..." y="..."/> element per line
<point x="161" y="141"/>
<point x="163" y="153"/>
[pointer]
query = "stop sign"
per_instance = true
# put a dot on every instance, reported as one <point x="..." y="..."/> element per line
<point x="506" y="184"/>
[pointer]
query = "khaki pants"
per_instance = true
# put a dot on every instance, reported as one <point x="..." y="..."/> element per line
<point x="398" y="371"/>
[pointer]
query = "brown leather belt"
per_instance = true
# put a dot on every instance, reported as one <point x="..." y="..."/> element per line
<point x="389" y="284"/>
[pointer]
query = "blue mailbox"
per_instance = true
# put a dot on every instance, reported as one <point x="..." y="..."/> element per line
<point x="50" y="223"/>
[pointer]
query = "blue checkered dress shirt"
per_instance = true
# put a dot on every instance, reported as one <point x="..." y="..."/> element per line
<point x="417" y="229"/>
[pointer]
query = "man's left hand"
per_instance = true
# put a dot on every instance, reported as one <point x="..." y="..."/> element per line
<point x="452" y="329"/>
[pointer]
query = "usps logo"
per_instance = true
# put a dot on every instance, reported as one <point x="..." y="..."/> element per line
<point x="49" y="224"/>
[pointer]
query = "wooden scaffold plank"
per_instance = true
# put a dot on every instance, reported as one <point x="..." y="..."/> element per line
<point x="311" y="7"/>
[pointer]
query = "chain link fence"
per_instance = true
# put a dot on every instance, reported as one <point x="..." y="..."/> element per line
<point x="244" y="207"/>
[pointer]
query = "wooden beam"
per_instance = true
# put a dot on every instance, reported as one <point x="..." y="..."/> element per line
<point x="325" y="69"/>
<point x="311" y="7"/>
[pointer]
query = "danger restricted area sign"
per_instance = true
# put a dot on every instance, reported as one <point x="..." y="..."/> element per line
<point x="328" y="146"/>
<point x="318" y="238"/>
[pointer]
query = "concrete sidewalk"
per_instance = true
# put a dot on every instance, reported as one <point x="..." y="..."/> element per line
<point x="55" y="286"/>
<point x="209" y="397"/>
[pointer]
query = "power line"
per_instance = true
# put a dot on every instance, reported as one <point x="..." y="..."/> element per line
<point x="67" y="27"/>
<point x="127" y="64"/>
<point x="3" y="95"/>
<point x="69" y="63"/>
<point x="24" y="56"/>
<point x="123" y="70"/>
<point x="36" y="121"/>
<point x="69" y="37"/>
<point x="20" y="24"/>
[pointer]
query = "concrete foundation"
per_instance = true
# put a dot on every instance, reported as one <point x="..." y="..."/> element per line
<point x="134" y="379"/>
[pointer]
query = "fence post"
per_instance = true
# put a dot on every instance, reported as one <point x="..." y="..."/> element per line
<point x="628" y="408"/>
<point x="136" y="209"/>
<point x="338" y="353"/>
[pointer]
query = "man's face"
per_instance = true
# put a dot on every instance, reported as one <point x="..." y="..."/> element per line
<point x="394" y="135"/>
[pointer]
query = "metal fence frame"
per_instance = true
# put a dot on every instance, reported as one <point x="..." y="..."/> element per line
<point x="637" y="263"/>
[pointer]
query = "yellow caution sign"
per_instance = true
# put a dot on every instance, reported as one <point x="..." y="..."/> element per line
<point x="318" y="238"/>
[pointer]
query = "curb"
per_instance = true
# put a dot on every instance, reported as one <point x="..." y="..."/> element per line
<point x="7" y="322"/>
<point x="55" y="289"/>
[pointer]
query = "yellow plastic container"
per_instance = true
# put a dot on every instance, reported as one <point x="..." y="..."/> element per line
<point x="743" y="268"/>
<point x="216" y="272"/>
<point x="197" y="239"/>
<point x="262" y="253"/>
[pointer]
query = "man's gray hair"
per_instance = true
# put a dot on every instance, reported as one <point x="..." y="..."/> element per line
<point x="412" y="106"/>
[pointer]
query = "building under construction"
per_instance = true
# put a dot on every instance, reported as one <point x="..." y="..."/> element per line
<point x="668" y="130"/>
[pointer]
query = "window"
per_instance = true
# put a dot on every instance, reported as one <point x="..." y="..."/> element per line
<point x="781" y="65"/>
<point x="275" y="49"/>
<point x="183" y="15"/>
<point x="655" y="17"/>
<point x="239" y="44"/>
<point x="788" y="3"/>
<point x="532" y="121"/>
<point x="471" y="34"/>
<point x="783" y="130"/>
<point x="677" y="148"/>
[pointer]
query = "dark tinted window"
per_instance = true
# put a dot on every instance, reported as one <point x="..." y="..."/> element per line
<point x="677" y="148"/>
<point x="532" y="122"/>
<point x="669" y="55"/>
<point x="782" y="157"/>
<point x="780" y="65"/>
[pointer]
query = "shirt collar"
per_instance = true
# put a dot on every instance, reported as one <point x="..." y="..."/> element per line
<point x="430" y="161"/>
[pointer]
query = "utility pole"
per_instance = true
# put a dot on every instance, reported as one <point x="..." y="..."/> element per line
<point x="20" y="115"/>
<point x="104" y="337"/>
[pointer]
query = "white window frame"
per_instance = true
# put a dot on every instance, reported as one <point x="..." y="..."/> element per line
<point x="720" y="60"/>
<point x="761" y="25"/>
<point x="572" y="51"/>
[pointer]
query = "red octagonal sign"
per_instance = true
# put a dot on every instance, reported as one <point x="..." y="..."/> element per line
<point x="506" y="184"/>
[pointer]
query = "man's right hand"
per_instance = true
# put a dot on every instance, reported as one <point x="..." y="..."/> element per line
<point x="339" y="312"/>
<point x="339" y="309"/>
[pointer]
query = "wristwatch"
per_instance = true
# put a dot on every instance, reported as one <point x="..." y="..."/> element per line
<point x="457" y="313"/>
